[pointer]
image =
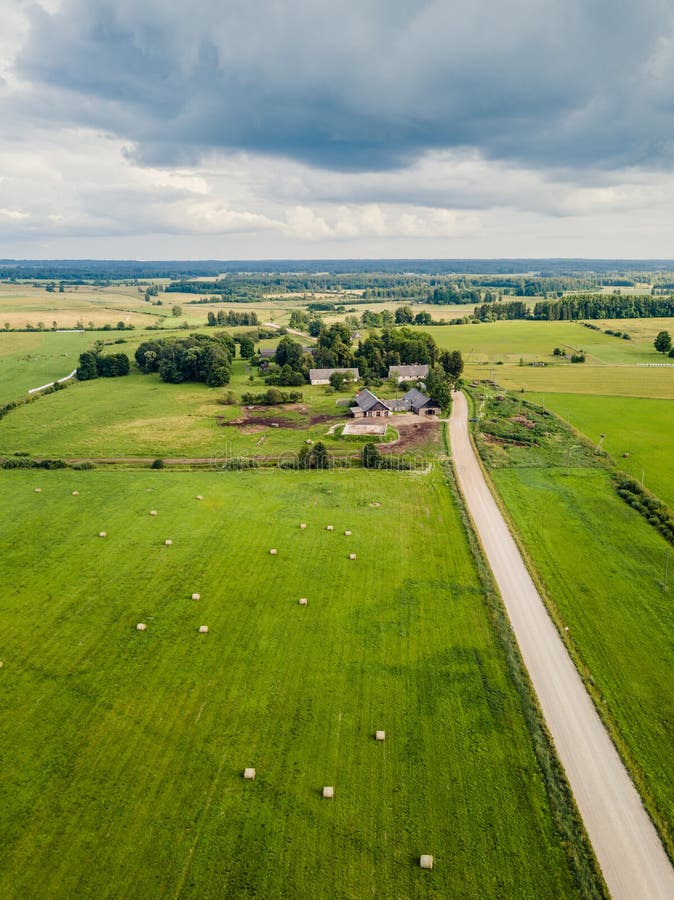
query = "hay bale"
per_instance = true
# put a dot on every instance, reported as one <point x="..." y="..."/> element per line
<point x="330" y="528"/>
<point x="203" y="629"/>
<point x="102" y="533"/>
<point x="141" y="626"/>
<point x="168" y="542"/>
<point x="380" y="735"/>
<point x="196" y="596"/>
<point x="38" y="490"/>
<point x="352" y="555"/>
<point x="76" y="493"/>
<point x="153" y="512"/>
<point x="199" y="497"/>
<point x="273" y="552"/>
<point x="303" y="525"/>
<point x="426" y="861"/>
<point x="328" y="793"/>
<point x="303" y="601"/>
<point x="347" y="533"/>
<point x="249" y="774"/>
<point x="1" y="663"/>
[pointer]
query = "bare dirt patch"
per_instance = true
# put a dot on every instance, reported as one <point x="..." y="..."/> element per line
<point x="414" y="432"/>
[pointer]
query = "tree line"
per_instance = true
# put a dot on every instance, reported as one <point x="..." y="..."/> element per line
<point x="580" y="306"/>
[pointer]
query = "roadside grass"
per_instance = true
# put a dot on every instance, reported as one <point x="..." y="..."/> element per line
<point x="123" y="750"/>
<point x="601" y="567"/>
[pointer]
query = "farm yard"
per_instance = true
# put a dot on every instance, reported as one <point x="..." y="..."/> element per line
<point x="143" y="736"/>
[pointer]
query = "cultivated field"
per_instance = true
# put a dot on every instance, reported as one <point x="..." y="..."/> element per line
<point x="123" y="751"/>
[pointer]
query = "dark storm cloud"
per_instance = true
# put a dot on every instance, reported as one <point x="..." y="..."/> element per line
<point x="364" y="84"/>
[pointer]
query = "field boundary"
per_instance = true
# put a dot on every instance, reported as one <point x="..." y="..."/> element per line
<point x="568" y="822"/>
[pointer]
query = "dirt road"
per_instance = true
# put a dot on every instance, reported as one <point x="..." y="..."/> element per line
<point x="631" y="856"/>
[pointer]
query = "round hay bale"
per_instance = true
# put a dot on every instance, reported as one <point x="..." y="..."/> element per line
<point x="102" y="533"/>
<point x="168" y="542"/>
<point x="380" y="735"/>
<point x="76" y="493"/>
<point x="273" y="552"/>
<point x="196" y="596"/>
<point x="347" y="533"/>
<point x="199" y="497"/>
<point x="352" y="555"/>
<point x="328" y="792"/>
<point x="153" y="512"/>
<point x="330" y="528"/>
<point x="249" y="774"/>
<point x="203" y="629"/>
<point x="141" y="626"/>
<point x="1" y="663"/>
<point x="426" y="861"/>
<point x="38" y="490"/>
<point x="303" y="601"/>
<point x="303" y="525"/>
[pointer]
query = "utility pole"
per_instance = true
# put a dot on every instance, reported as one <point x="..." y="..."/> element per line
<point x="666" y="567"/>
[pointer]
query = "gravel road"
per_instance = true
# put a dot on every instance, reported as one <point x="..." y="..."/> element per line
<point x="631" y="856"/>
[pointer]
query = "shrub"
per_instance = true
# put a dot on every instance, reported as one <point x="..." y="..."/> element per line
<point x="158" y="464"/>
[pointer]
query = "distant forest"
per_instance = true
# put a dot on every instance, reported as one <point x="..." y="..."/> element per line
<point x="115" y="270"/>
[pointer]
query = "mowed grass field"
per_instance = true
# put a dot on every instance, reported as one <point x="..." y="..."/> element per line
<point x="123" y="751"/>
<point x="642" y="427"/>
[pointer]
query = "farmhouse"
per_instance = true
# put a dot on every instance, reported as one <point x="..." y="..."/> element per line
<point x="369" y="406"/>
<point x="322" y="376"/>
<point x="407" y="373"/>
<point x="420" y="404"/>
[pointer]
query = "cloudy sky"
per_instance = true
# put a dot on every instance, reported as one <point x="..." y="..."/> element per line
<point x="306" y="128"/>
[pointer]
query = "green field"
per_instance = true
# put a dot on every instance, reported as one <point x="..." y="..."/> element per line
<point x="602" y="567"/>
<point x="644" y="428"/>
<point x="122" y="751"/>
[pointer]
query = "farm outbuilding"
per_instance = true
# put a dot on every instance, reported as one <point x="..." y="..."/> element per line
<point x="407" y="373"/>
<point x="322" y="376"/>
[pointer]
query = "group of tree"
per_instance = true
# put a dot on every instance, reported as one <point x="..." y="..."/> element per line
<point x="93" y="364"/>
<point x="199" y="357"/>
<point x="231" y="317"/>
<point x="271" y="397"/>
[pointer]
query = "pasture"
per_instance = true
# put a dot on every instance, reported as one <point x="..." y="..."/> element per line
<point x="643" y="427"/>
<point x="123" y="751"/>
